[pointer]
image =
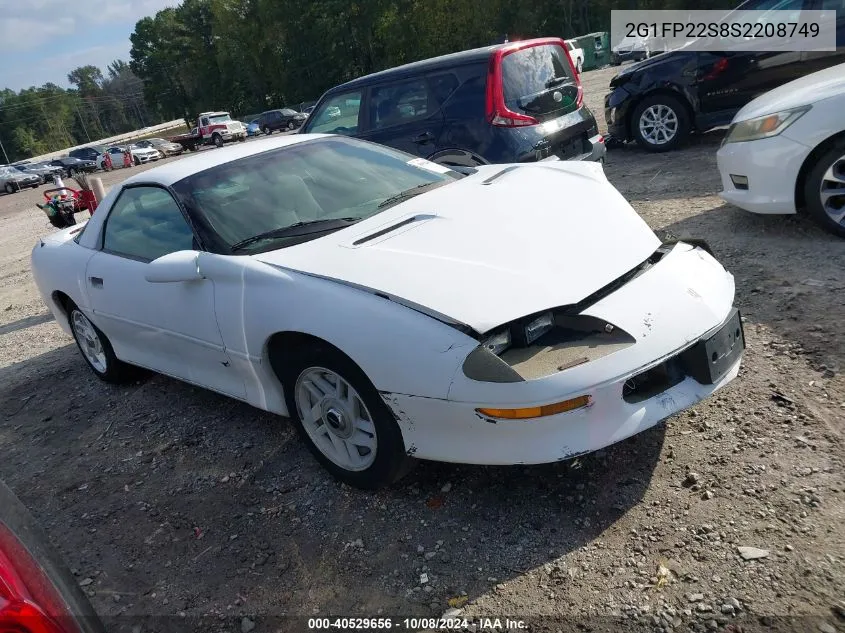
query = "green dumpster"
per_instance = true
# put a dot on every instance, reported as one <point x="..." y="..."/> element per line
<point x="596" y="47"/>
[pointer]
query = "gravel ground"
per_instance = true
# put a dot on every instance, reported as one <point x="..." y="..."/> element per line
<point x="169" y="500"/>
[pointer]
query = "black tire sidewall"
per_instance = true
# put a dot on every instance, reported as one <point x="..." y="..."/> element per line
<point x="812" y="185"/>
<point x="390" y="453"/>
<point x="683" y="122"/>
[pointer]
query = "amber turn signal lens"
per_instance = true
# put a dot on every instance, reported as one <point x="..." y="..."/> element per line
<point x="538" y="412"/>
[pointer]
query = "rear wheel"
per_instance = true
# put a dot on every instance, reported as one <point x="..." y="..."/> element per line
<point x="97" y="350"/>
<point x="136" y="160"/>
<point x="824" y="190"/>
<point x="290" y="125"/>
<point x="344" y="421"/>
<point x="660" y="123"/>
<point x="267" y="130"/>
<point x="579" y="66"/>
<point x="10" y="188"/>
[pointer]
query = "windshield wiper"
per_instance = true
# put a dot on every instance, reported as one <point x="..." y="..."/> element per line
<point x="324" y="224"/>
<point x="409" y="193"/>
<point x="556" y="81"/>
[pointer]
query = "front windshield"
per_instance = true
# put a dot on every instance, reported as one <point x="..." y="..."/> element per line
<point x="219" y="118"/>
<point x="311" y="182"/>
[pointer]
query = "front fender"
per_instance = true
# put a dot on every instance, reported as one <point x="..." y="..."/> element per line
<point x="400" y="349"/>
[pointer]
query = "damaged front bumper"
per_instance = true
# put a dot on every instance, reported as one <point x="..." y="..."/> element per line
<point x="688" y="344"/>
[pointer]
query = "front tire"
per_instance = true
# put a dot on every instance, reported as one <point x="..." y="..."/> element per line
<point x="579" y="66"/>
<point x="660" y="123"/>
<point x="97" y="350"/>
<point x="343" y="420"/>
<point x="136" y="160"/>
<point x="824" y="190"/>
<point x="217" y="140"/>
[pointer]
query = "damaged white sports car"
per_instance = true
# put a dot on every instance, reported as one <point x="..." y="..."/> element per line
<point x="395" y="308"/>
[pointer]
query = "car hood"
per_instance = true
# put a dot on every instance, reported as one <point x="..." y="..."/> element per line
<point x="647" y="64"/>
<point x="806" y="90"/>
<point x="483" y="251"/>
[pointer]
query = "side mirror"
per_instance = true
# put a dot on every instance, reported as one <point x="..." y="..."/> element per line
<point x="174" y="267"/>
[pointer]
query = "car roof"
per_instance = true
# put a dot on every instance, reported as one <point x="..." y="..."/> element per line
<point x="173" y="172"/>
<point x="423" y="66"/>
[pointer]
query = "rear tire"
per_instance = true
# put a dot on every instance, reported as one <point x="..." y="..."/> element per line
<point x="320" y="379"/>
<point x="824" y="190"/>
<point x="136" y="160"/>
<point x="579" y="66"/>
<point x="10" y="188"/>
<point x="267" y="130"/>
<point x="97" y="350"/>
<point x="660" y="123"/>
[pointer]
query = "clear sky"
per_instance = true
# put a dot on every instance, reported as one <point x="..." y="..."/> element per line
<point x="43" y="40"/>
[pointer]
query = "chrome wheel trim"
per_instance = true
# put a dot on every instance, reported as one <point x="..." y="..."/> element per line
<point x="658" y="124"/>
<point x="832" y="191"/>
<point x="336" y="418"/>
<point x="89" y="341"/>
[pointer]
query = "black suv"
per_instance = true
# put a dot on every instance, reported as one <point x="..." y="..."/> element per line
<point x="658" y="102"/>
<point x="284" y="119"/>
<point x="513" y="102"/>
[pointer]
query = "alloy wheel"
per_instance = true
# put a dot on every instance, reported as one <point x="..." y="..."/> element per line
<point x="336" y="418"/>
<point x="832" y="191"/>
<point x="89" y="341"/>
<point x="658" y="124"/>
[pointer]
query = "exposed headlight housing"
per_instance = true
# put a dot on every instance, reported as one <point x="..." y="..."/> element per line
<point x="537" y="327"/>
<point x="764" y="126"/>
<point x="498" y="342"/>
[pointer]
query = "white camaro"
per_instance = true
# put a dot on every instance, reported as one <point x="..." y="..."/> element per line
<point x="395" y="308"/>
<point x="786" y="150"/>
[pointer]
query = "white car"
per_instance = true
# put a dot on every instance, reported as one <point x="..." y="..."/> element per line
<point x="577" y="55"/>
<point x="786" y="150"/>
<point x="395" y="308"/>
<point x="140" y="155"/>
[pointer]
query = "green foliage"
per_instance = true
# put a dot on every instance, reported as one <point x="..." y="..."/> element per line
<point x="39" y="120"/>
<point x="251" y="55"/>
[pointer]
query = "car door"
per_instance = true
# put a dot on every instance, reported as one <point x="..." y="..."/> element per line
<point x="404" y="115"/>
<point x="167" y="327"/>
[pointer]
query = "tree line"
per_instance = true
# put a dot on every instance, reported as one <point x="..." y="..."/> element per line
<point x="246" y="56"/>
<point x="35" y="121"/>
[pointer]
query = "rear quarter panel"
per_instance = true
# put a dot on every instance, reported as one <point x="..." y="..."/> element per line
<point x="58" y="265"/>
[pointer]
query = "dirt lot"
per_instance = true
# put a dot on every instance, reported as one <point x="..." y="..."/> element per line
<point x="168" y="500"/>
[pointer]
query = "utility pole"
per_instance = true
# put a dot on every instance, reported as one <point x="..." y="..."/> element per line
<point x="85" y="129"/>
<point x="4" y="152"/>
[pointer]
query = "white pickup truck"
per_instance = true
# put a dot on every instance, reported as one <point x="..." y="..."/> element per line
<point x="577" y="55"/>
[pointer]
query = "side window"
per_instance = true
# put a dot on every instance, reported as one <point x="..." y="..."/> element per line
<point x="398" y="103"/>
<point x="337" y="115"/>
<point x="442" y="87"/>
<point x="146" y="223"/>
<point x="204" y="121"/>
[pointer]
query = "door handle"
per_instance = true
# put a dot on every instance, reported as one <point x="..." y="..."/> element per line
<point x="96" y="282"/>
<point x="425" y="137"/>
